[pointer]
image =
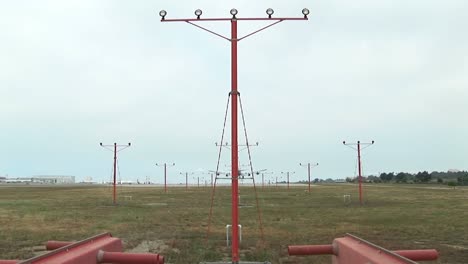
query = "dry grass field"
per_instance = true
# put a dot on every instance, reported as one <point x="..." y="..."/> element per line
<point x="175" y="223"/>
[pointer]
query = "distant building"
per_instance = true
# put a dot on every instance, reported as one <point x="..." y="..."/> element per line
<point x="18" y="180"/>
<point x="340" y="181"/>
<point x="52" y="179"/>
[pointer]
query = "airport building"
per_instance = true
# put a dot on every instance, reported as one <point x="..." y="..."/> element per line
<point x="52" y="179"/>
<point x="41" y="179"/>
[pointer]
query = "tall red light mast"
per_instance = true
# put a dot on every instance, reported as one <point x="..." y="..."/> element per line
<point x="287" y="175"/>
<point x="115" y="150"/>
<point x="308" y="169"/>
<point x="165" y="165"/>
<point x="234" y="95"/>
<point x="358" y="144"/>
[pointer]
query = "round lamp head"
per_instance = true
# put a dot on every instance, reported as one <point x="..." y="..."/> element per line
<point x="233" y="12"/>
<point x="162" y="13"/>
<point x="198" y="13"/>
<point x="305" y="12"/>
<point x="270" y="12"/>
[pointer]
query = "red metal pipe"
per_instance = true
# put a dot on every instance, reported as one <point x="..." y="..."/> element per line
<point x="273" y="18"/>
<point x="310" y="250"/>
<point x="419" y="255"/>
<point x="53" y="244"/>
<point x="227" y="19"/>
<point x="9" y="261"/>
<point x="84" y="251"/>
<point x="129" y="258"/>
<point x="235" y="147"/>
<point x="415" y="255"/>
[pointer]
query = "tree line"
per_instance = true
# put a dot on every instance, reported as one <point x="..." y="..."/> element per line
<point x="450" y="178"/>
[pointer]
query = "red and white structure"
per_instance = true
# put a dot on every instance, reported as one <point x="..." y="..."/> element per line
<point x="165" y="165"/>
<point x="234" y="93"/>
<point x="115" y="148"/>
<point x="309" y="166"/>
<point x="359" y="149"/>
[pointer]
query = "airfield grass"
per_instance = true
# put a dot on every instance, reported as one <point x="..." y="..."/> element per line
<point x="175" y="223"/>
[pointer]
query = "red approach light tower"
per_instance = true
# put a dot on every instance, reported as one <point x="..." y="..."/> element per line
<point x="263" y="178"/>
<point x="122" y="147"/>
<point x="287" y="175"/>
<point x="165" y="165"/>
<point x="309" y="166"/>
<point x="358" y="144"/>
<point x="234" y="39"/>
<point x="186" y="178"/>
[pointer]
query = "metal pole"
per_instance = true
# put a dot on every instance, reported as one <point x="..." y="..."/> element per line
<point x="114" y="149"/>
<point x="288" y="179"/>
<point x="115" y="174"/>
<point x="234" y="96"/>
<point x="263" y="182"/>
<point x="234" y="149"/>
<point x="359" y="168"/>
<point x="186" y="180"/>
<point x="165" y="181"/>
<point x="198" y="179"/>
<point x="359" y="162"/>
<point x="308" y="167"/>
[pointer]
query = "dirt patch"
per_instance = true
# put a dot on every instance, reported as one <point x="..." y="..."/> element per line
<point x="153" y="246"/>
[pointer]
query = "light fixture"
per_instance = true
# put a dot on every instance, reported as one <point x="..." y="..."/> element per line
<point x="305" y="12"/>
<point x="198" y="13"/>
<point x="270" y="12"/>
<point x="163" y="14"/>
<point x="233" y="12"/>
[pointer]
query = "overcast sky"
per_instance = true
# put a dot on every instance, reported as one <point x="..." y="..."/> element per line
<point x="79" y="72"/>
